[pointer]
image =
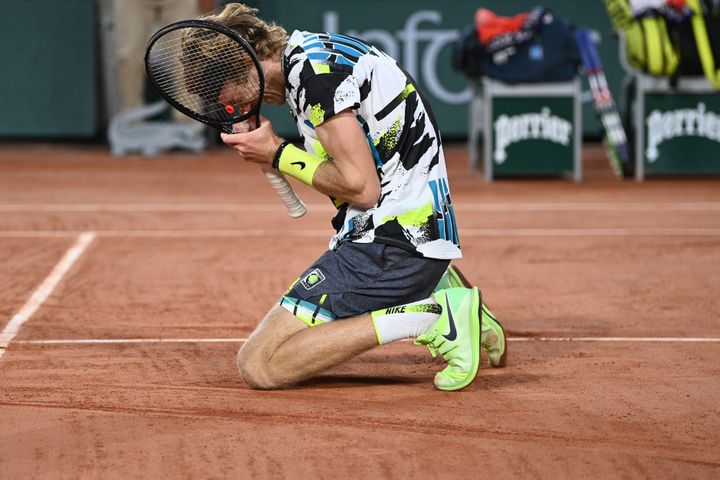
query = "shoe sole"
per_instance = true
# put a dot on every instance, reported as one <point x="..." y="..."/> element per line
<point x="467" y="284"/>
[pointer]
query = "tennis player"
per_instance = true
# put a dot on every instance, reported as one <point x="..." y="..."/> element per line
<point x="372" y="145"/>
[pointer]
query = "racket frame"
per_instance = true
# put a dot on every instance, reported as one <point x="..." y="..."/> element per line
<point x="296" y="207"/>
<point x="226" y="126"/>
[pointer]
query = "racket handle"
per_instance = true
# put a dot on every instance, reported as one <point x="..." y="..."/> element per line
<point x="296" y="207"/>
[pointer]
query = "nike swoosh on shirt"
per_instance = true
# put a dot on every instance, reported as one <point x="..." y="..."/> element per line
<point x="301" y="164"/>
<point x="452" y="334"/>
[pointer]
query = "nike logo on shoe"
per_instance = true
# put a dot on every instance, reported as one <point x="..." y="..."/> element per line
<point x="300" y="164"/>
<point x="452" y="334"/>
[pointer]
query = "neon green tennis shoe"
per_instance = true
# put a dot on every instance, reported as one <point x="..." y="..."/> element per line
<point x="456" y="336"/>
<point x="492" y="335"/>
<point x="453" y="277"/>
<point x="493" y="339"/>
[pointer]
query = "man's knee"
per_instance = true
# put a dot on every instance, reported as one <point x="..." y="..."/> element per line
<point x="253" y="359"/>
<point x="254" y="369"/>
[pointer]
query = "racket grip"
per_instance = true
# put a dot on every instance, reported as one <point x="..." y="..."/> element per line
<point x="296" y="207"/>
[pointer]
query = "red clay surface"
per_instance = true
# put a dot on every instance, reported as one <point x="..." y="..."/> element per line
<point x="179" y="255"/>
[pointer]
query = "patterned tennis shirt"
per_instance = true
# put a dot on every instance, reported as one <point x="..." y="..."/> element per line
<point x="328" y="73"/>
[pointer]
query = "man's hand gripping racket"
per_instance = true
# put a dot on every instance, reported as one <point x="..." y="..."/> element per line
<point x="211" y="74"/>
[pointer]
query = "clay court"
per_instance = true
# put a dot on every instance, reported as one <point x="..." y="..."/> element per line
<point x="128" y="285"/>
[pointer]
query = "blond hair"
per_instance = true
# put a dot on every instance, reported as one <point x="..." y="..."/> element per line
<point x="266" y="38"/>
<point x="210" y="60"/>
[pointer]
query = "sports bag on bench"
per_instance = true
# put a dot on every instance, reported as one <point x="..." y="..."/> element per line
<point x="530" y="47"/>
<point x="649" y="46"/>
<point x="675" y="38"/>
<point x="699" y="41"/>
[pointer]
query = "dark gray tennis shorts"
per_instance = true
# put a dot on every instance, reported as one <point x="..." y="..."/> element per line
<point x="358" y="278"/>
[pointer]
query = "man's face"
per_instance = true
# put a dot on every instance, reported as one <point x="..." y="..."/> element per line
<point x="274" y="82"/>
<point x="239" y="98"/>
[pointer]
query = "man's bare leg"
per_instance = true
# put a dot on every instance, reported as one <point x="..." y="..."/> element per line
<point x="283" y="350"/>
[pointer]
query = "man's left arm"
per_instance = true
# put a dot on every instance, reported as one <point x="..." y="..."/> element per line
<point x="351" y="175"/>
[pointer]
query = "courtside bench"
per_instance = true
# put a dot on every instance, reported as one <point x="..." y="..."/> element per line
<point x="677" y="130"/>
<point x="530" y="129"/>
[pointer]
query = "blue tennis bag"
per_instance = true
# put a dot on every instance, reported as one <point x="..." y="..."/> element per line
<point x="532" y="47"/>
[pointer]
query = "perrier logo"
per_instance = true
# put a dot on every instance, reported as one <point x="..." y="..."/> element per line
<point x="682" y="122"/>
<point x="529" y="126"/>
<point x="312" y="279"/>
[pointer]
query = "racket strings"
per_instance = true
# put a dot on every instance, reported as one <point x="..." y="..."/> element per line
<point x="206" y="72"/>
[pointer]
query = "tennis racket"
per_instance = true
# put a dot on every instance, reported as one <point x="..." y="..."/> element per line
<point x="616" y="141"/>
<point x="212" y="75"/>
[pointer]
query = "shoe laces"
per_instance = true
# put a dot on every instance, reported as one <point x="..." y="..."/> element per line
<point x="430" y="340"/>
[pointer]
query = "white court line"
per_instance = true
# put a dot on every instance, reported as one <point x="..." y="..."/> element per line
<point x="153" y="207"/>
<point x="105" y="341"/>
<point x="325" y="233"/>
<point x="326" y="207"/>
<point x="619" y="339"/>
<point x="171" y="233"/>
<point x="589" y="232"/>
<point x="114" y="341"/>
<point x="44" y="290"/>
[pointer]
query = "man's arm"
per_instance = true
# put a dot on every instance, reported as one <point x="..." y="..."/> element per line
<point x="351" y="176"/>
